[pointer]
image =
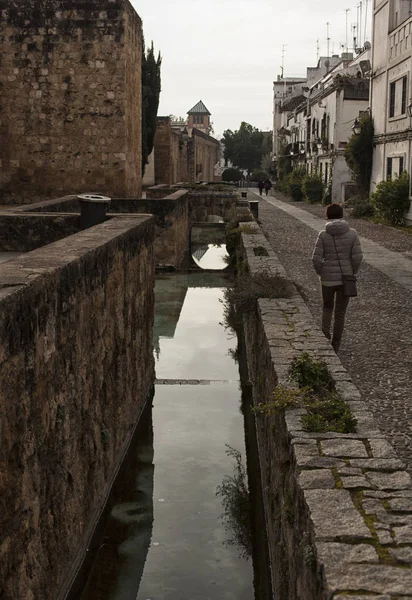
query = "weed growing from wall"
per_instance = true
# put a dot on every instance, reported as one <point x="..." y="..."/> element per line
<point x="325" y="409"/>
<point x="236" y="506"/>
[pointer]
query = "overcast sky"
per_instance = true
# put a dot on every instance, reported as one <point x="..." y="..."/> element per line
<point x="228" y="52"/>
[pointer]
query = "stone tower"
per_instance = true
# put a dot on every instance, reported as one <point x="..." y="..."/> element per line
<point x="199" y="117"/>
<point x="70" y="99"/>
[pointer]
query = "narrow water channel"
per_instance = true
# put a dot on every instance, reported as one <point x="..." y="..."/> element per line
<point x="179" y="525"/>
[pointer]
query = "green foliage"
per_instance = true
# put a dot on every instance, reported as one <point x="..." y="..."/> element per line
<point x="294" y="183"/>
<point x="246" y="146"/>
<point x="237" y="506"/>
<point x="258" y="175"/>
<point x="311" y="374"/>
<point x="329" y="413"/>
<point x="359" y="154"/>
<point x="325" y="410"/>
<point x="151" y="87"/>
<point x="284" y="165"/>
<point x="283" y="398"/>
<point x="327" y="194"/>
<point x="312" y="186"/>
<point x="232" y="174"/>
<point x="391" y="199"/>
<point x="361" y="207"/>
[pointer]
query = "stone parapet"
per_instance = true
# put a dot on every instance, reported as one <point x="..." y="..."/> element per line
<point x="338" y="506"/>
<point x="76" y="368"/>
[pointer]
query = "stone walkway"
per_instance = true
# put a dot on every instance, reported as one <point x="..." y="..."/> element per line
<point x="377" y="347"/>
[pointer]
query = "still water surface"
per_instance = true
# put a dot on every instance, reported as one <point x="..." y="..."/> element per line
<point x="168" y="535"/>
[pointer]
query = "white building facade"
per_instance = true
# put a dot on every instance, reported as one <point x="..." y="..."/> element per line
<point x="317" y="125"/>
<point x="391" y="95"/>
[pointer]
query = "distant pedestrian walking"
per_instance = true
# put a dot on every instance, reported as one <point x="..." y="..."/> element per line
<point x="337" y="257"/>
<point x="268" y="186"/>
<point x="261" y="185"/>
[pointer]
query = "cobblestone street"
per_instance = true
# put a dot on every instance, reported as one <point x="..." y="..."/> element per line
<point x="376" y="348"/>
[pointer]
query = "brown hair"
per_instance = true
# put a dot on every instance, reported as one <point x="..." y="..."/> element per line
<point x="334" y="211"/>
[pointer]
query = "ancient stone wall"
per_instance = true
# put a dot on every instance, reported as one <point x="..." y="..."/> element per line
<point x="204" y="203"/>
<point x="26" y="232"/>
<point x="70" y="111"/>
<point x="205" y="155"/>
<point x="76" y="368"/>
<point x="163" y="152"/>
<point x="338" y="506"/>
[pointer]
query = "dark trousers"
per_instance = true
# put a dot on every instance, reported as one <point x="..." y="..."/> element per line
<point x="334" y="302"/>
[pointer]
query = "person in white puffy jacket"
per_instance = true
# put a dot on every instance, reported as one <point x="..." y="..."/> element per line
<point x="337" y="250"/>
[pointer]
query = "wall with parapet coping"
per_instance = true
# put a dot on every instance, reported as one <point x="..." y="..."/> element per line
<point x="76" y="368"/>
<point x="171" y="245"/>
<point x="25" y="232"/>
<point x="338" y="506"/>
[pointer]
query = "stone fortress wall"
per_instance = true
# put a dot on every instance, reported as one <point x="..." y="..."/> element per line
<point x="70" y="99"/>
<point x="76" y="369"/>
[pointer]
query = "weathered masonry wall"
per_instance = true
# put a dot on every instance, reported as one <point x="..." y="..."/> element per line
<point x="338" y="506"/>
<point x="171" y="244"/>
<point x="202" y="202"/>
<point x="70" y="110"/>
<point x="76" y="368"/>
<point x="24" y="232"/>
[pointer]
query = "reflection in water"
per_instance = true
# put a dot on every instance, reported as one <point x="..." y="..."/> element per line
<point x="210" y="256"/>
<point x="166" y="538"/>
<point x="120" y="559"/>
<point x="236" y="505"/>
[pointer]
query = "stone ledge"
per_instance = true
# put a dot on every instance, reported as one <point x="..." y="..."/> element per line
<point x="333" y="478"/>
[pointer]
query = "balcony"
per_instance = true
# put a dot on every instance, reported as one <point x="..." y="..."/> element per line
<point x="400" y="39"/>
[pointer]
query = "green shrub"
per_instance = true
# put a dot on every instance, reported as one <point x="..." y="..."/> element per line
<point x="330" y="413"/>
<point x="327" y="194"/>
<point x="361" y="207"/>
<point x="258" y="174"/>
<point x="294" y="183"/>
<point x="311" y="374"/>
<point x="312" y="186"/>
<point x="325" y="409"/>
<point x="391" y="199"/>
<point x="232" y="174"/>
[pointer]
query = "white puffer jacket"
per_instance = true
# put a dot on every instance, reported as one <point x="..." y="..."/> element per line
<point x="348" y="248"/>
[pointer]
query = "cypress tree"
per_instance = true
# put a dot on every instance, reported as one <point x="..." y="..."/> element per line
<point x="151" y="87"/>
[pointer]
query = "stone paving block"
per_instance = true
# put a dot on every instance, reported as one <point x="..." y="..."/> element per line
<point x="381" y="579"/>
<point x="344" y="448"/>
<point x="382" y="449"/>
<point x="388" y="495"/>
<point x="402" y="554"/>
<point x="333" y="553"/>
<point x="334" y="515"/>
<point x="302" y="452"/>
<point x="384" y="537"/>
<point x="316" y="479"/>
<point x="350" y="483"/>
<point x="303" y="441"/>
<point x="401" y="504"/>
<point x="399" y="480"/>
<point x="378" y="464"/>
<point x="349" y="471"/>
<point x="372" y="506"/>
<point x="374" y="597"/>
<point x="318" y="462"/>
<point x="403" y="535"/>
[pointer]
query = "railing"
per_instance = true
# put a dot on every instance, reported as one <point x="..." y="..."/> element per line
<point x="400" y="39"/>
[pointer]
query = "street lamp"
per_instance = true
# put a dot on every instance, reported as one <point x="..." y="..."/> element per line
<point x="356" y="127"/>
